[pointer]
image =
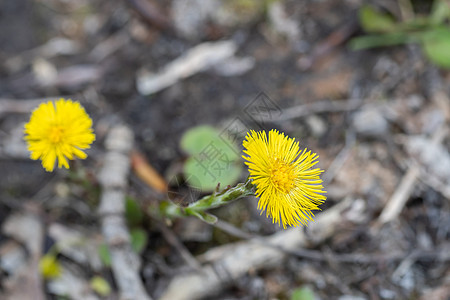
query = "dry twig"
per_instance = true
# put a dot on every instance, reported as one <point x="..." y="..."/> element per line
<point x="8" y="106"/>
<point x="27" y="228"/>
<point x="440" y="255"/>
<point x="304" y="110"/>
<point x="197" y="59"/>
<point x="401" y="195"/>
<point x="340" y="159"/>
<point x="172" y="239"/>
<point x="228" y="263"/>
<point x="113" y="180"/>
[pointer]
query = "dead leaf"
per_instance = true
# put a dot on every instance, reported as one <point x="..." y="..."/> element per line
<point x="147" y="173"/>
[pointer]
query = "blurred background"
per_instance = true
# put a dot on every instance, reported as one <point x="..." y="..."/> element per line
<point x="365" y="84"/>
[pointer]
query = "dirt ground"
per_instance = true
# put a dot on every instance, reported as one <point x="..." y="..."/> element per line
<point x="379" y="119"/>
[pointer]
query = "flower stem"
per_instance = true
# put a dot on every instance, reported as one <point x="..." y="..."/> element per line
<point x="171" y="210"/>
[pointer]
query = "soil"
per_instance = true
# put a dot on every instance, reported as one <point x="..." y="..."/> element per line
<point x="396" y="84"/>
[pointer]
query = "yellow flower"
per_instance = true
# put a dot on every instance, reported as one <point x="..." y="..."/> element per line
<point x="58" y="130"/>
<point x="49" y="266"/>
<point x="287" y="186"/>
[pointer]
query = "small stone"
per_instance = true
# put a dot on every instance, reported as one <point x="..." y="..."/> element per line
<point x="415" y="102"/>
<point x="370" y="122"/>
<point x="317" y="125"/>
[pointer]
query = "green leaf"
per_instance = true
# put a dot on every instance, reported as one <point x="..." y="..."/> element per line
<point x="104" y="254"/>
<point x="381" y="40"/>
<point x="139" y="239"/>
<point x="204" y="216"/>
<point x="100" y="286"/>
<point x="133" y="212"/>
<point x="214" y="159"/>
<point x="200" y="139"/>
<point x="374" y="21"/>
<point x="303" y="293"/>
<point x="49" y="266"/>
<point x="204" y="174"/>
<point x="436" y="46"/>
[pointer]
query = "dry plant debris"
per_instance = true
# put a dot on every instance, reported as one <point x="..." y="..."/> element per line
<point x="379" y="119"/>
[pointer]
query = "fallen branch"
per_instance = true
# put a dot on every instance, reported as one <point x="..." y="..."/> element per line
<point x="27" y="228"/>
<point x="24" y="106"/>
<point x="398" y="200"/>
<point x="173" y="240"/>
<point x="197" y="59"/>
<point x="113" y="180"/>
<point x="228" y="263"/>
<point x="341" y="158"/>
<point x="304" y="110"/>
<point x="441" y="255"/>
<point x="8" y="106"/>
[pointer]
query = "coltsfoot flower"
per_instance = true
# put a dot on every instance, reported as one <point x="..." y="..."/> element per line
<point x="58" y="130"/>
<point x="287" y="186"/>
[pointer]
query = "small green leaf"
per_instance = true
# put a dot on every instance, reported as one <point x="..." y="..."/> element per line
<point x="49" y="266"/>
<point x="436" y="46"/>
<point x="100" y="286"/>
<point x="205" y="217"/>
<point x="374" y="21"/>
<point x="104" y="254"/>
<point x="381" y="40"/>
<point x="139" y="239"/>
<point x="204" y="174"/>
<point x="203" y="139"/>
<point x="303" y="293"/>
<point x="133" y="212"/>
<point x="214" y="159"/>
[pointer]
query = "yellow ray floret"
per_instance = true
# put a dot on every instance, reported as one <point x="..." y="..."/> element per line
<point x="58" y="130"/>
<point x="287" y="186"/>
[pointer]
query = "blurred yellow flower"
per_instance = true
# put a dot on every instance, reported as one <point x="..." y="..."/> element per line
<point x="58" y="130"/>
<point x="287" y="186"/>
<point x="49" y="267"/>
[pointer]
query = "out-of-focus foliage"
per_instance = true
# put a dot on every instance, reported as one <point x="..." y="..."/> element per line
<point x="374" y="21"/>
<point x="436" y="46"/>
<point x="138" y="239"/>
<point x="104" y="254"/>
<point x="133" y="212"/>
<point x="432" y="32"/>
<point x="100" y="286"/>
<point x="303" y="293"/>
<point x="213" y="158"/>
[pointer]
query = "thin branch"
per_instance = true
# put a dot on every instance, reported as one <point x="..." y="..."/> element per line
<point x="23" y="106"/>
<point x="173" y="240"/>
<point x="304" y="110"/>
<point x="228" y="263"/>
<point x="340" y="159"/>
<point x="113" y="180"/>
<point x="398" y="200"/>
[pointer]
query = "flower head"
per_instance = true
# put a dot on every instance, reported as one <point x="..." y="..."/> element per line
<point x="58" y="130"/>
<point x="287" y="186"/>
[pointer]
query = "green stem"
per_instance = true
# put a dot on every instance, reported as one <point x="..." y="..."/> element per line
<point x="170" y="210"/>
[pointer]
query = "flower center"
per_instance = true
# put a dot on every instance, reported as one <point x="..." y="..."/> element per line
<point x="56" y="134"/>
<point x="283" y="176"/>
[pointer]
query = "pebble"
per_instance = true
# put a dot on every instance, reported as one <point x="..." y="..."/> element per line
<point x="370" y="122"/>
